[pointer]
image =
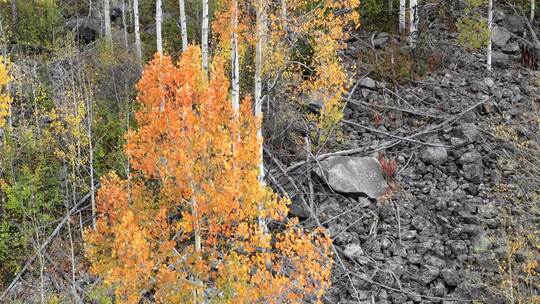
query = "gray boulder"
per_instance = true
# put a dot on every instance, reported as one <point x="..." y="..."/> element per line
<point x="368" y="83"/>
<point x="353" y="251"/>
<point x="511" y="48"/>
<point x="380" y="40"/>
<point x="514" y="24"/>
<point x="434" y="155"/>
<point x="450" y="277"/>
<point x="467" y="132"/>
<point x="500" y="59"/>
<point x="473" y="157"/>
<point x="498" y="15"/>
<point x="353" y="175"/>
<point x="500" y="36"/>
<point x="473" y="169"/>
<point x="87" y="29"/>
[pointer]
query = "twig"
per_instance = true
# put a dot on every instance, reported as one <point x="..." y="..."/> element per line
<point x="403" y="291"/>
<point x="368" y="105"/>
<point x="392" y="135"/>
<point x="398" y="219"/>
<point x="406" y="164"/>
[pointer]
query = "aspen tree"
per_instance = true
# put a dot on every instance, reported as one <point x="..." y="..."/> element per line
<point x="259" y="49"/>
<point x="205" y="30"/>
<point x="107" y="18"/>
<point x="124" y="24"/>
<point x="235" y="59"/>
<point x="323" y="30"/>
<point x="490" y="29"/>
<point x="14" y="16"/>
<point x="159" y="21"/>
<point x="402" y="5"/>
<point x="138" y="47"/>
<point x="187" y="227"/>
<point x="533" y="7"/>
<point x="183" y="24"/>
<point x="413" y="19"/>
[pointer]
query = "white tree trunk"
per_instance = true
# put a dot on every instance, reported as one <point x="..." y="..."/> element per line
<point x="183" y="24"/>
<point x="533" y="7"/>
<point x="259" y="63"/>
<point x="413" y="19"/>
<point x="130" y="13"/>
<point x="89" y="116"/>
<point x="124" y="24"/>
<point x="107" y="17"/>
<point x="205" y="29"/>
<point x="261" y="24"/>
<point x="490" y="27"/>
<point x="259" y="48"/>
<point x="159" y="20"/>
<point x="402" y="5"/>
<point x="138" y="47"/>
<point x="235" y="59"/>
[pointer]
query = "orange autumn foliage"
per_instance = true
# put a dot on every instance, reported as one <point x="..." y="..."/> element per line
<point x="183" y="227"/>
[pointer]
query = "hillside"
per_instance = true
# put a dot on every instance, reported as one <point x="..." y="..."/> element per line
<point x="312" y="151"/>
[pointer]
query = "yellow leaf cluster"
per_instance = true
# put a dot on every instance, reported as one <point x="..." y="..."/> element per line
<point x="5" y="98"/>
<point x="185" y="226"/>
<point x="318" y="28"/>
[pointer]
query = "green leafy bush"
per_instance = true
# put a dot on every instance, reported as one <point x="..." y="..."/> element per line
<point x="472" y="27"/>
<point x="39" y="22"/>
<point x="30" y="197"/>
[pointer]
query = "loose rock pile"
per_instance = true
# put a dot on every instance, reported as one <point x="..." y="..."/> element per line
<point x="438" y="234"/>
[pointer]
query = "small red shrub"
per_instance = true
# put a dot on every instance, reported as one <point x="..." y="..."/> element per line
<point x="389" y="167"/>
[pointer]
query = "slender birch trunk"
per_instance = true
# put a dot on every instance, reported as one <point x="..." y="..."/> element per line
<point x="124" y="25"/>
<point x="15" y="17"/>
<point x="413" y="19"/>
<point x="490" y="28"/>
<point x="130" y="14"/>
<point x="138" y="47"/>
<point x="197" y="293"/>
<point x="402" y="5"/>
<point x="260" y="28"/>
<point x="205" y="30"/>
<point x="533" y="7"/>
<point x="183" y="24"/>
<point x="91" y="160"/>
<point x="259" y="63"/>
<point x="235" y="60"/>
<point x="159" y="20"/>
<point x="107" y="18"/>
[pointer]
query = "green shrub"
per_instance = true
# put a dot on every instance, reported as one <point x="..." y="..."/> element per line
<point x="30" y="197"/>
<point x="472" y="27"/>
<point x="39" y="22"/>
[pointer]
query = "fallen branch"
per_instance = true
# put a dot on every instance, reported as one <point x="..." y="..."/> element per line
<point x="368" y="105"/>
<point x="392" y="135"/>
<point x="47" y="241"/>
<point x="391" y="143"/>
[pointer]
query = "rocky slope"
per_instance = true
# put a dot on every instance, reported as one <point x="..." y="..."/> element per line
<point x="460" y="222"/>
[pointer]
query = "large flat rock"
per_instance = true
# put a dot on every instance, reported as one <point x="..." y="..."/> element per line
<point x="354" y="175"/>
